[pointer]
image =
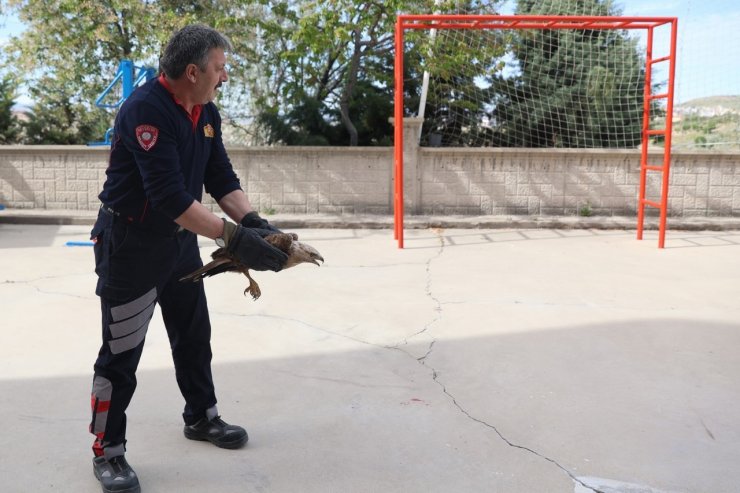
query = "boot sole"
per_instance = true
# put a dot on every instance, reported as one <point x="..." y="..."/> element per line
<point x="227" y="445"/>
<point x="135" y="489"/>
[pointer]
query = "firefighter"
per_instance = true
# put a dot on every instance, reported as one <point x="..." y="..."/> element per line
<point x="167" y="146"/>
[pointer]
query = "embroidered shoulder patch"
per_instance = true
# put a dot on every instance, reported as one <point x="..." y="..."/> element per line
<point x="147" y="136"/>
<point x="208" y="131"/>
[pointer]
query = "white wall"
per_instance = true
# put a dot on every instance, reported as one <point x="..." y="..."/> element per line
<point x="340" y="180"/>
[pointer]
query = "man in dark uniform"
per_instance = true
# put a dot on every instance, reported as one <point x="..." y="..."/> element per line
<point x="167" y="146"/>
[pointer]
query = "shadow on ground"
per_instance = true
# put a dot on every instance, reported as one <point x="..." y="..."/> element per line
<point x="643" y="402"/>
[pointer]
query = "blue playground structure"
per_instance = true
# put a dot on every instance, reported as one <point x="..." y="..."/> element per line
<point x="130" y="80"/>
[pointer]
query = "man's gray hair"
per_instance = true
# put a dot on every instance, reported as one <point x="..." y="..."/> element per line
<point x="191" y="44"/>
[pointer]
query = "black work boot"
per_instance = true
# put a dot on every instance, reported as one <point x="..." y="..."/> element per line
<point x="218" y="432"/>
<point x="115" y="475"/>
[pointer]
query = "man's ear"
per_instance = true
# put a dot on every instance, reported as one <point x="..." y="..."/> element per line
<point x="190" y="72"/>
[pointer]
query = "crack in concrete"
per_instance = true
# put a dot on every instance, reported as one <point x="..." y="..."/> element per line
<point x="300" y="322"/>
<point x="340" y="381"/>
<point x="43" y="278"/>
<point x="31" y="283"/>
<point x="496" y="430"/>
<point x="428" y="292"/>
<point x="423" y="361"/>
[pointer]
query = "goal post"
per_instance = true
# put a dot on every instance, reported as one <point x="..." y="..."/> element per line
<point x="651" y="97"/>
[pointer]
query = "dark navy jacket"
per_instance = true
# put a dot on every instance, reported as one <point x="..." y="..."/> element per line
<point x="161" y="158"/>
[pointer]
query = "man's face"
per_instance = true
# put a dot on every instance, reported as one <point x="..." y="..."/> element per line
<point x="208" y="81"/>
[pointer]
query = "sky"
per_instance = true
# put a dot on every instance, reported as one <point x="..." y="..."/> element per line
<point x="10" y="26"/>
<point x="708" y="43"/>
<point x="708" y="58"/>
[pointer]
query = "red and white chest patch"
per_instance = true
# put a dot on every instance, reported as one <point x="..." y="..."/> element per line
<point x="147" y="136"/>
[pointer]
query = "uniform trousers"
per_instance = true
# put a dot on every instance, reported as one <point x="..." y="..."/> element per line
<point x="137" y="269"/>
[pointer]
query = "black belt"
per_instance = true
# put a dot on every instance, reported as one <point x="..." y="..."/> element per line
<point x="164" y="230"/>
<point x="109" y="211"/>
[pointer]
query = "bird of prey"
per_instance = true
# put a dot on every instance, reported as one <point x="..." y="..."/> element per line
<point x="297" y="252"/>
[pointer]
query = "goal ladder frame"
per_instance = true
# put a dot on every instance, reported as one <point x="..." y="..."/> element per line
<point x="542" y="22"/>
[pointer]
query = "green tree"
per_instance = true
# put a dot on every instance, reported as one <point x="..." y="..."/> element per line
<point x="302" y="71"/>
<point x="58" y="118"/>
<point x="10" y="129"/>
<point x="457" y="61"/>
<point x="329" y="69"/>
<point x="326" y="72"/>
<point x="71" y="49"/>
<point x="568" y="92"/>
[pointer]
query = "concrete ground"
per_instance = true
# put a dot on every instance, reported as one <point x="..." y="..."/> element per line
<point x="526" y="360"/>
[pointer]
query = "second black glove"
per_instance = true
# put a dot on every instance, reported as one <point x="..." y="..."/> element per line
<point x="254" y="220"/>
<point x="253" y="251"/>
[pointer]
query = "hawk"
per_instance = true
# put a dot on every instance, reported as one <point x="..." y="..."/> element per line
<point x="297" y="252"/>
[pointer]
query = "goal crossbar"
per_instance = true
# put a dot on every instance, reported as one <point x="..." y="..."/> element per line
<point x="434" y="21"/>
<point x="543" y="22"/>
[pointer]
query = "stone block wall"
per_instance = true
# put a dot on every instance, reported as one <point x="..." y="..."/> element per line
<point x="341" y="180"/>
<point x="51" y="177"/>
<point x="570" y="182"/>
<point x="308" y="180"/>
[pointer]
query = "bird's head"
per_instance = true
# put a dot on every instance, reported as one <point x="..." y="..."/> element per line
<point x="300" y="253"/>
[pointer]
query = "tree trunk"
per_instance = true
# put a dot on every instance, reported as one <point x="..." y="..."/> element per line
<point x="349" y="87"/>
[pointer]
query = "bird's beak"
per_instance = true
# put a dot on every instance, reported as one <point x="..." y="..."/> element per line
<point x="314" y="260"/>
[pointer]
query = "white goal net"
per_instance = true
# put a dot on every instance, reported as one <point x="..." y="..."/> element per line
<point x="520" y="87"/>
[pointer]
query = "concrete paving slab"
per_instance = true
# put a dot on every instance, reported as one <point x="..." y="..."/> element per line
<point x="473" y="360"/>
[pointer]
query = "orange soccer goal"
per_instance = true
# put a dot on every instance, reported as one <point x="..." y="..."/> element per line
<point x="625" y="101"/>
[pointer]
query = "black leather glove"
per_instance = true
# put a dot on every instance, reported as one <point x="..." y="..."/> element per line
<point x="253" y="220"/>
<point x="251" y="249"/>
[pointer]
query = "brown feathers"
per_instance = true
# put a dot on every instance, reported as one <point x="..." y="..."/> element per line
<point x="297" y="252"/>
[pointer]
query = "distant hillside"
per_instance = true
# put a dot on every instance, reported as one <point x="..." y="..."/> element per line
<point x="731" y="103"/>
<point x="707" y="123"/>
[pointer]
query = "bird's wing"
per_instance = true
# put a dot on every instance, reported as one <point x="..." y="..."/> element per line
<point x="217" y="266"/>
<point x="281" y="241"/>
